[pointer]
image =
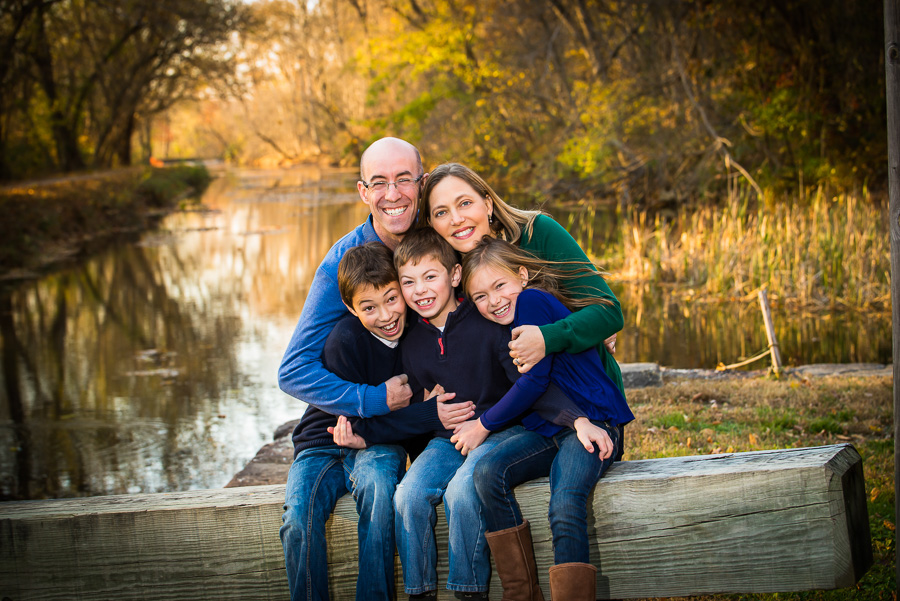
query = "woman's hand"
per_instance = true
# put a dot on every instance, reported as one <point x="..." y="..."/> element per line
<point x="344" y="436"/>
<point x="469" y="435"/>
<point x="527" y="347"/>
<point x="588" y="434"/>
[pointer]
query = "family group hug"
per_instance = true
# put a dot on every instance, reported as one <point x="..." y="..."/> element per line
<point x="450" y="348"/>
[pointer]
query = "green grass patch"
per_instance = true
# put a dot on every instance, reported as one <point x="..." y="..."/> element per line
<point x="158" y="187"/>
<point x="671" y="420"/>
<point x="776" y="420"/>
<point x="826" y="424"/>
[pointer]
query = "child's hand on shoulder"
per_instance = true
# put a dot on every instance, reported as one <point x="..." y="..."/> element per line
<point x="468" y="435"/>
<point x="344" y="436"/>
<point x="588" y="434"/>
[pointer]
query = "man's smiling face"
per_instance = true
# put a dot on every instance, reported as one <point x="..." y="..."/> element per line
<point x="393" y="209"/>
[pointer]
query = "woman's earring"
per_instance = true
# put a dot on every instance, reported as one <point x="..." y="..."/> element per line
<point x="490" y="219"/>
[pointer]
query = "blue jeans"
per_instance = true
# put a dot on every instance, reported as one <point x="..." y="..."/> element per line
<point x="317" y="479"/>
<point x="573" y="473"/>
<point x="442" y="471"/>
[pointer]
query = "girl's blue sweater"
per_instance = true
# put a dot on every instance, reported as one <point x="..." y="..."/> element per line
<point x="580" y="376"/>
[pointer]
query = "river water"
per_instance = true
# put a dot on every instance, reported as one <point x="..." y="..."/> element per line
<point x="151" y="367"/>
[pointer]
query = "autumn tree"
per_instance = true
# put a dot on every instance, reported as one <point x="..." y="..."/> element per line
<point x="650" y="100"/>
<point x="302" y="97"/>
<point x="87" y="71"/>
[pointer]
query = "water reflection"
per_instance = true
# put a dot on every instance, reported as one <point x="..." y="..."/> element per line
<point x="662" y="326"/>
<point x="152" y="366"/>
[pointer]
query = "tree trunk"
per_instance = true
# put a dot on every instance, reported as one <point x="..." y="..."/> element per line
<point x="68" y="156"/>
<point x="123" y="144"/>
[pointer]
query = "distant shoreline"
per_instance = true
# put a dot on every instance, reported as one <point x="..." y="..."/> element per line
<point x="50" y="222"/>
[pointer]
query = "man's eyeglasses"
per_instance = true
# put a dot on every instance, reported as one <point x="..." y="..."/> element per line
<point x="382" y="187"/>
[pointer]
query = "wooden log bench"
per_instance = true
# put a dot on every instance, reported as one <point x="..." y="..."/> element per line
<point x="766" y="521"/>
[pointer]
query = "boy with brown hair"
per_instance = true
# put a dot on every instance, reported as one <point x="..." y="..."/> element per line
<point x="362" y="348"/>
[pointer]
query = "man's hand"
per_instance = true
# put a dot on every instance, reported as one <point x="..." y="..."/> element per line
<point x="398" y="392"/>
<point x="344" y="436"/>
<point x="589" y="434"/>
<point x="610" y="344"/>
<point x="469" y="435"/>
<point x="453" y="414"/>
<point x="527" y="347"/>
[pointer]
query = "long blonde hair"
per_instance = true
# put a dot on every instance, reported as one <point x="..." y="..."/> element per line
<point x="506" y="257"/>
<point x="509" y="222"/>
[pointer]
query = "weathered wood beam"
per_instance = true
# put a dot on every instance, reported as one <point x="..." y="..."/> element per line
<point x="747" y="522"/>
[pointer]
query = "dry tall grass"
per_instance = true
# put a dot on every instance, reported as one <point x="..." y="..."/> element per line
<point x="822" y="250"/>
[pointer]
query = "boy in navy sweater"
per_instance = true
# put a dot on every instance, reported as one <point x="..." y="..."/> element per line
<point x="452" y="346"/>
<point x="362" y="348"/>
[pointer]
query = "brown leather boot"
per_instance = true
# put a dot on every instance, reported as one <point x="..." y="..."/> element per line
<point x="514" y="558"/>
<point x="573" y="582"/>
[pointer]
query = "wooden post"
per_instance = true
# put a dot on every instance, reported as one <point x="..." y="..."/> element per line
<point x="892" y="85"/>
<point x="770" y="331"/>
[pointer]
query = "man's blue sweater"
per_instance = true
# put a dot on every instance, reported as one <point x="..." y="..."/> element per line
<point x="302" y="374"/>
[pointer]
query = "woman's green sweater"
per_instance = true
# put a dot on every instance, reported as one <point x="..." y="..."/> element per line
<point x="587" y="327"/>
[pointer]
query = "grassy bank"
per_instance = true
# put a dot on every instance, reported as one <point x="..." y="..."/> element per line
<point x="821" y="250"/>
<point x="46" y="223"/>
<point x="696" y="417"/>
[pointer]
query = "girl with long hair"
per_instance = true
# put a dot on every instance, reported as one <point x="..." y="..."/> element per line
<point x="511" y="287"/>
